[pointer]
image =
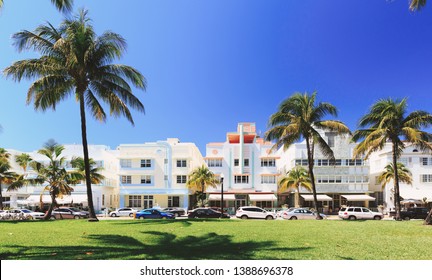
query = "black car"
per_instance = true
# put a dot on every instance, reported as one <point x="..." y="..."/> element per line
<point x="175" y="210"/>
<point x="206" y="213"/>
<point x="414" y="213"/>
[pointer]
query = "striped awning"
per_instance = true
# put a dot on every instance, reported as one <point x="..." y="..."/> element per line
<point x="217" y="197"/>
<point x="359" y="197"/>
<point x="262" y="197"/>
<point x="320" y="197"/>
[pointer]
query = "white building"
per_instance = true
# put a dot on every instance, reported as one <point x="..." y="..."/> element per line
<point x="155" y="174"/>
<point x="420" y="165"/>
<point x="249" y="169"/>
<point x="346" y="182"/>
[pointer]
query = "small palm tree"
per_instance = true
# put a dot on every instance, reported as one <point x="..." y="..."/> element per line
<point x="294" y="179"/>
<point x="199" y="179"/>
<point x="388" y="174"/>
<point x="23" y="161"/>
<point x="387" y="122"/>
<point x="75" y="61"/>
<point x="6" y="177"/>
<point x="64" y="6"/>
<point x="299" y="118"/>
<point x="95" y="175"/>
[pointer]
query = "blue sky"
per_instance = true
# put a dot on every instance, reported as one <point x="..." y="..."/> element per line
<point x="211" y="64"/>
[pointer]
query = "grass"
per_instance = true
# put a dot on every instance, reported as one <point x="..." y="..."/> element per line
<point x="215" y="239"/>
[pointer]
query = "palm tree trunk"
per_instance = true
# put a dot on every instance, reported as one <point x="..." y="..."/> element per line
<point x="297" y="198"/>
<point x="396" y="184"/>
<point x="92" y="213"/>
<point x="428" y="220"/>
<point x="202" y="195"/>
<point x="312" y="177"/>
<point x="51" y="207"/>
<point x="1" y="197"/>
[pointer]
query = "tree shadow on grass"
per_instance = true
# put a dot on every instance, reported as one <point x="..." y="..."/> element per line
<point x="156" y="246"/>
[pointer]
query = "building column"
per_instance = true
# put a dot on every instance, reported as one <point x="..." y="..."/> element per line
<point x="186" y="201"/>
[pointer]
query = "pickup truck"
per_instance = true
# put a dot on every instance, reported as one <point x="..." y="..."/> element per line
<point x="414" y="213"/>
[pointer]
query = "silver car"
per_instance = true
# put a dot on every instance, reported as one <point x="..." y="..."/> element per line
<point x="300" y="214"/>
<point x="123" y="212"/>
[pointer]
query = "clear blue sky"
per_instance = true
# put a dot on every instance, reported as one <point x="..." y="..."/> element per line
<point x="211" y="64"/>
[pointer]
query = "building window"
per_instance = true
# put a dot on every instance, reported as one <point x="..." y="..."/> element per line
<point x="126" y="179"/>
<point x="125" y="163"/>
<point x="148" y="201"/>
<point x="181" y="179"/>
<point x="426" y="161"/>
<point x="246" y="162"/>
<point x="426" y="178"/>
<point x="134" y="201"/>
<point x="103" y="200"/>
<point x="173" y="201"/>
<point x="241" y="179"/>
<point x="264" y="204"/>
<point x="181" y="163"/>
<point x="302" y="162"/>
<point x="145" y="163"/>
<point x="236" y="162"/>
<point x="268" y="179"/>
<point x="268" y="162"/>
<point x="214" y="162"/>
<point x="146" y="179"/>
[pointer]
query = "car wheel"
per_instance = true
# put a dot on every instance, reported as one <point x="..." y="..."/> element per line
<point x="269" y="218"/>
<point x="177" y="214"/>
<point x="163" y="218"/>
<point x="141" y="218"/>
<point x="293" y="218"/>
<point x="113" y="215"/>
<point x="352" y="218"/>
<point x="131" y="215"/>
<point x="377" y="218"/>
<point x="407" y="218"/>
<point x="244" y="217"/>
<point x="76" y="217"/>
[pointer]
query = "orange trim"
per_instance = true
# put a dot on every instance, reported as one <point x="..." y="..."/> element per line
<point x="270" y="174"/>
<point x="269" y="157"/>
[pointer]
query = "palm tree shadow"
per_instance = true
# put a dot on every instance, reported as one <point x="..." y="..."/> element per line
<point x="154" y="246"/>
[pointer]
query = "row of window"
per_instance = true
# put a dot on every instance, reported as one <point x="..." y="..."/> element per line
<point x="146" y="201"/>
<point x="326" y="179"/>
<point x="270" y="162"/>
<point x="147" y="163"/>
<point x="182" y="179"/>
<point x="327" y="162"/>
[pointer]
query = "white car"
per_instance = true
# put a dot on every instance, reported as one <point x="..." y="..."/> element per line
<point x="253" y="212"/>
<point x="359" y="213"/>
<point x="25" y="213"/>
<point x="123" y="212"/>
<point x="300" y="214"/>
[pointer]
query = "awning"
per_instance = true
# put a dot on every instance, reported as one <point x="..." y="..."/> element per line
<point x="414" y="193"/>
<point x="262" y="197"/>
<point x="320" y="197"/>
<point x="217" y="197"/>
<point x="359" y="197"/>
<point x="67" y="199"/>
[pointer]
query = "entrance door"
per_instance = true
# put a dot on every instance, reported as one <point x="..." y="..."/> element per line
<point x="240" y="201"/>
<point x="148" y="201"/>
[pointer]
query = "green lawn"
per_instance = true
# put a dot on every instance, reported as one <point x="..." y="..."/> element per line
<point x="215" y="239"/>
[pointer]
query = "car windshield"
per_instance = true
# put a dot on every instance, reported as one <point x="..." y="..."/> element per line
<point x="26" y="211"/>
<point x="75" y="209"/>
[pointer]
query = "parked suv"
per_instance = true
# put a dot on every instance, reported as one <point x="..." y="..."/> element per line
<point x="414" y="213"/>
<point x="69" y="213"/>
<point x="359" y="213"/>
<point x="252" y="212"/>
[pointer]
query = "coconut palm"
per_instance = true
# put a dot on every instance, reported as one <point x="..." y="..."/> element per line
<point x="23" y="161"/>
<point x="95" y="175"/>
<point x="6" y="177"/>
<point x="387" y="122"/>
<point x="299" y="118"/>
<point x="388" y="174"/>
<point x="64" y="6"/>
<point x="416" y="5"/>
<point x="199" y="180"/>
<point x="294" y="179"/>
<point x="75" y="61"/>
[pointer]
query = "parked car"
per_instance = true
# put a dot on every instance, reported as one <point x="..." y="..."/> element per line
<point x="253" y="212"/>
<point x="69" y="213"/>
<point x="300" y="214"/>
<point x="414" y="213"/>
<point x="153" y="214"/>
<point x="34" y="215"/>
<point x="175" y="210"/>
<point x="206" y="213"/>
<point x="359" y="213"/>
<point x="123" y="212"/>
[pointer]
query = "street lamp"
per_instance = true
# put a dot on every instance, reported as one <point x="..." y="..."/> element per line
<point x="222" y="201"/>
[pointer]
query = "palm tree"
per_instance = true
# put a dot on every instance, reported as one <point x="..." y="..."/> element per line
<point x="23" y="161"/>
<point x="386" y="122"/>
<point x="6" y="177"/>
<point x="299" y="118"/>
<point x="64" y="6"/>
<point x="388" y="174"/>
<point x="416" y="5"/>
<point x="294" y="179"/>
<point x="95" y="175"/>
<point x="75" y="61"/>
<point x="199" y="179"/>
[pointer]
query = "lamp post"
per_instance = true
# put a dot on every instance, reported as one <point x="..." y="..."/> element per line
<point x="222" y="201"/>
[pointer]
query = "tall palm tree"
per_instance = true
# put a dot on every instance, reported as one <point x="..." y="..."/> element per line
<point x="294" y="179"/>
<point x="23" y="161"/>
<point x="416" y="5"/>
<point x="95" y="175"/>
<point x="75" y="61"/>
<point x="387" y="122"/>
<point x="64" y="6"/>
<point x="299" y="117"/>
<point x="388" y="174"/>
<point x="199" y="179"/>
<point x="6" y="177"/>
